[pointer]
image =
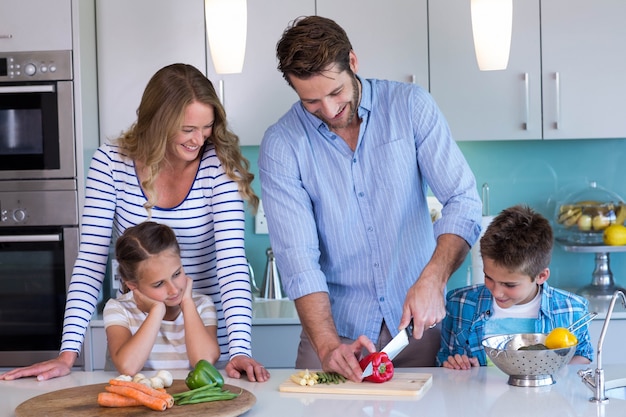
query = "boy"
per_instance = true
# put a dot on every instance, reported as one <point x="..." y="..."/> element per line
<point x="515" y="298"/>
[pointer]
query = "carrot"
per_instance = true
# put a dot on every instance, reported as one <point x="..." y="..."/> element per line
<point x="109" y="399"/>
<point x="149" y="401"/>
<point x="146" y="390"/>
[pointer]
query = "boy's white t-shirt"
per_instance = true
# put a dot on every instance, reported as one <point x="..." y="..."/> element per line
<point x="515" y="319"/>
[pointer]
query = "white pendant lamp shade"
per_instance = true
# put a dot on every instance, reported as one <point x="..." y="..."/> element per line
<point x="226" y="25"/>
<point x="492" y="23"/>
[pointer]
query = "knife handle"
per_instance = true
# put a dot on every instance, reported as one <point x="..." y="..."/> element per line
<point x="409" y="329"/>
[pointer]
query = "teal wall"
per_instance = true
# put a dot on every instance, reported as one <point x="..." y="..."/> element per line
<point x="536" y="173"/>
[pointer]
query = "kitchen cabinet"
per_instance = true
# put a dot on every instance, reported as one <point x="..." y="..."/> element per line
<point x="614" y="340"/>
<point x="276" y="345"/>
<point x="564" y="79"/>
<point x="134" y="40"/>
<point x="485" y="105"/>
<point x="273" y="345"/>
<point x="35" y="25"/>
<point x="259" y="96"/>
<point x="583" y="68"/>
<point x="390" y="42"/>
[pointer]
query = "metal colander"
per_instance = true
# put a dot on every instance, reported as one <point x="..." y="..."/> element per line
<point x="526" y="367"/>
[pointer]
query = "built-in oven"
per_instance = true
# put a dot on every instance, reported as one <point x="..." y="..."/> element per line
<point x="36" y="115"/>
<point x="38" y="246"/>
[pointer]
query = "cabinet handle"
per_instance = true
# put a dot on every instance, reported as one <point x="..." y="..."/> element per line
<point x="30" y="238"/>
<point x="412" y="78"/>
<point x="220" y="91"/>
<point x="526" y="124"/>
<point x="557" y="83"/>
<point x="7" y="36"/>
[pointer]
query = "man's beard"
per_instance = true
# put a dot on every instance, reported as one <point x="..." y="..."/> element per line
<point x="352" y="107"/>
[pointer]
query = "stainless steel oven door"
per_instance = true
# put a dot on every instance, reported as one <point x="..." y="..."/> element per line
<point x="35" y="269"/>
<point x="37" y="130"/>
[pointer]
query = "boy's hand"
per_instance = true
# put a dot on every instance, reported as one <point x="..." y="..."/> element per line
<point x="188" y="289"/>
<point x="460" y="362"/>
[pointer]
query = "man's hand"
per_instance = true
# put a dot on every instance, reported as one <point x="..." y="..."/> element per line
<point x="424" y="303"/>
<point x="53" y="368"/>
<point x="244" y="364"/>
<point x="344" y="359"/>
<point x="459" y="362"/>
<point x="425" y="300"/>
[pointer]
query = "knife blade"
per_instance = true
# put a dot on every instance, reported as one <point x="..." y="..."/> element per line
<point x="395" y="346"/>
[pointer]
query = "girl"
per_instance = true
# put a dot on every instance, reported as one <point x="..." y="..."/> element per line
<point x="158" y="322"/>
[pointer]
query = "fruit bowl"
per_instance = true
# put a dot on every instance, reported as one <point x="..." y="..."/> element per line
<point x="526" y="368"/>
<point x="582" y="218"/>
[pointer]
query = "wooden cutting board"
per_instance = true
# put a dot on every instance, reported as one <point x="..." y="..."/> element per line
<point x="402" y="383"/>
<point x="82" y="401"/>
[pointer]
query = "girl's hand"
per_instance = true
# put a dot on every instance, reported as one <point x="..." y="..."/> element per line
<point x="147" y="304"/>
<point x="188" y="289"/>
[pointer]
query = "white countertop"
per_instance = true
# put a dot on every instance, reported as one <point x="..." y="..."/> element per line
<point x="479" y="392"/>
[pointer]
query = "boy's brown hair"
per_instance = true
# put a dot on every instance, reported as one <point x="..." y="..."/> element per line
<point x="519" y="239"/>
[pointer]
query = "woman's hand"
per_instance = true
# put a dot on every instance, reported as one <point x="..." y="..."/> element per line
<point x="245" y="364"/>
<point x="52" y="368"/>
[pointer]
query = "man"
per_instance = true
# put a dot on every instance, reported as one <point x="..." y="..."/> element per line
<point x="344" y="175"/>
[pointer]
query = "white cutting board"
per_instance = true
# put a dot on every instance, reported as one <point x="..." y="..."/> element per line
<point x="402" y="383"/>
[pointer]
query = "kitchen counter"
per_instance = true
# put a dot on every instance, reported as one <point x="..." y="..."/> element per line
<point x="478" y="392"/>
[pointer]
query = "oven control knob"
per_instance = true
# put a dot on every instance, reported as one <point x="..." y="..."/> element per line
<point x="19" y="215"/>
<point x="30" y="69"/>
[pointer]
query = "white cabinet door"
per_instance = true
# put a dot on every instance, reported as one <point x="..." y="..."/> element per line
<point x="583" y="45"/>
<point x="389" y="38"/>
<point x="134" y="40"/>
<point x="35" y="25"/>
<point x="259" y="96"/>
<point x="485" y="105"/>
<point x="614" y="340"/>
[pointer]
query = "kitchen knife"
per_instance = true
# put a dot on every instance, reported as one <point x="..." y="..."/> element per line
<point x="395" y="346"/>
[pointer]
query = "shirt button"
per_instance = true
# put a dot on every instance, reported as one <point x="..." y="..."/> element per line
<point x="369" y="229"/>
<point x="376" y="265"/>
<point x="382" y="299"/>
<point x="361" y="194"/>
<point x="354" y="160"/>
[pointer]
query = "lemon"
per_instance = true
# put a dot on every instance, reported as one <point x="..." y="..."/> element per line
<point x="560" y="338"/>
<point x="615" y="235"/>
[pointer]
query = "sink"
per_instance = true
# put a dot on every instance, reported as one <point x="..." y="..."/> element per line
<point x="616" y="389"/>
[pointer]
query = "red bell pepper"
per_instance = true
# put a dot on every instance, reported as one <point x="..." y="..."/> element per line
<point x="381" y="364"/>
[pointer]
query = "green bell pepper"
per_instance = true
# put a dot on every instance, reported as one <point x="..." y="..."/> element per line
<point x="203" y="374"/>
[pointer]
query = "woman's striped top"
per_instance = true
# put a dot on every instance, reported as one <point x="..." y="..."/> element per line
<point x="209" y="225"/>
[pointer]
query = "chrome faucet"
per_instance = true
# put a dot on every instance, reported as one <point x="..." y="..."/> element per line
<point x="594" y="380"/>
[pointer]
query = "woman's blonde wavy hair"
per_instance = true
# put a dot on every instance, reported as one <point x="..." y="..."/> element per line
<point x="159" y="119"/>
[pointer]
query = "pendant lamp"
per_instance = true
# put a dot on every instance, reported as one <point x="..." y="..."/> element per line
<point x="492" y="23"/>
<point x="226" y="26"/>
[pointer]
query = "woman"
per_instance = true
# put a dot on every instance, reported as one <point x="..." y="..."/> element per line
<point x="178" y="165"/>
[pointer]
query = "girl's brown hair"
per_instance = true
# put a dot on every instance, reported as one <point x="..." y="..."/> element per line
<point x="139" y="243"/>
<point x="159" y="119"/>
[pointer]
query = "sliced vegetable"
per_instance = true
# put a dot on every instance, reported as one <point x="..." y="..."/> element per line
<point x="382" y="367"/>
<point x="204" y="373"/>
<point x="310" y="378"/>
